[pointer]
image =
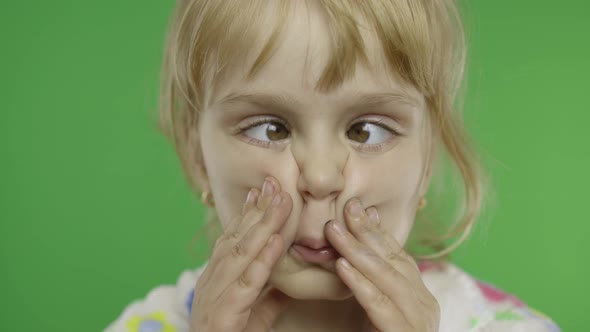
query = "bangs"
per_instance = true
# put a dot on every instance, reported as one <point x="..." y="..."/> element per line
<point x="226" y="32"/>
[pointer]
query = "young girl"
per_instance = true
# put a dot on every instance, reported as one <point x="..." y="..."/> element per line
<point x="313" y="130"/>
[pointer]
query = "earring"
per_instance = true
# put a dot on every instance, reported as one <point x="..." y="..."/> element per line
<point x="207" y="198"/>
<point x="422" y="203"/>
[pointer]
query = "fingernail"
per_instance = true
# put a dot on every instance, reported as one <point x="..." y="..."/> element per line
<point x="267" y="188"/>
<point x="337" y="226"/>
<point x="277" y="200"/>
<point x="250" y="197"/>
<point x="355" y="209"/>
<point x="373" y="215"/>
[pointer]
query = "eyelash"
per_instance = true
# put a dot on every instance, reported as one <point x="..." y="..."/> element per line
<point x="367" y="147"/>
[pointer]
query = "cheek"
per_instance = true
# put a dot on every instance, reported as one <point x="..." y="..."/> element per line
<point x="392" y="187"/>
<point x="393" y="178"/>
<point x="234" y="168"/>
<point x="230" y="180"/>
<point x="225" y="171"/>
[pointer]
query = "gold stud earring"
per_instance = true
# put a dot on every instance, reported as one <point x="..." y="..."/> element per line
<point x="207" y="198"/>
<point x="422" y="203"/>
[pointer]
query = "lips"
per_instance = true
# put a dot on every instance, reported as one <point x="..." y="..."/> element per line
<point x="321" y="255"/>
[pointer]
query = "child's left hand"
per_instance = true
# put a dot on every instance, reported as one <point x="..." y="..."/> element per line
<point x="384" y="278"/>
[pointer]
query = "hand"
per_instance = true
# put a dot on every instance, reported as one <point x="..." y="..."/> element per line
<point x="231" y="294"/>
<point x="385" y="279"/>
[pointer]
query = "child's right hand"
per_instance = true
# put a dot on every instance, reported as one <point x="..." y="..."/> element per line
<point x="229" y="294"/>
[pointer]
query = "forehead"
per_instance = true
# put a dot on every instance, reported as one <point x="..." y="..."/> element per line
<point x="301" y="56"/>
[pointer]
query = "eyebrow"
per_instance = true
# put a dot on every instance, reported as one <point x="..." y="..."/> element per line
<point x="284" y="102"/>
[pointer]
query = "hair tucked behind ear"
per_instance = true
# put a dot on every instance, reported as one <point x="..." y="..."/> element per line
<point x="423" y="43"/>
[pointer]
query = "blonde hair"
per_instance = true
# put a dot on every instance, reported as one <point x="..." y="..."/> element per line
<point x="423" y="42"/>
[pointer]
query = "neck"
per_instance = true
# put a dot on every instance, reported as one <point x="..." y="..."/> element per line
<point x="321" y="315"/>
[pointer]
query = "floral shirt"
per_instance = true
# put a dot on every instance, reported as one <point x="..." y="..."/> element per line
<point x="466" y="305"/>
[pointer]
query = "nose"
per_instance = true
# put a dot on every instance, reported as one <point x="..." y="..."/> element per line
<point x="321" y="163"/>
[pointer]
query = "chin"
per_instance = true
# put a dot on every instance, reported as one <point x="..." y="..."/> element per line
<point x="308" y="282"/>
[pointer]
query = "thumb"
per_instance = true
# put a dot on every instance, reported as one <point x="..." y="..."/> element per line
<point x="267" y="309"/>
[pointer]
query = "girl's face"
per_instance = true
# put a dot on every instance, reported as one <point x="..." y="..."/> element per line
<point x="366" y="139"/>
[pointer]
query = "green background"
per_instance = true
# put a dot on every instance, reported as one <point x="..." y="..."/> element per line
<point x="95" y="211"/>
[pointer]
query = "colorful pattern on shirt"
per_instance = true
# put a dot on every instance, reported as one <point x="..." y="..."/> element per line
<point x="155" y="322"/>
<point x="467" y="305"/>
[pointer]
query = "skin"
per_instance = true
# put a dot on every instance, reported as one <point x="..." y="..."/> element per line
<point x="320" y="169"/>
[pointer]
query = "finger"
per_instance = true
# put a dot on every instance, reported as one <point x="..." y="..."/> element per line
<point x="230" y="233"/>
<point x="245" y="292"/>
<point x="374" y="219"/>
<point x="269" y="191"/>
<point x="366" y="227"/>
<point x="269" y="188"/>
<point x="384" y="244"/>
<point x="243" y="252"/>
<point x="384" y="276"/>
<point x="253" y="212"/>
<point x="239" y="297"/>
<point x="383" y="313"/>
<point x="251" y="200"/>
<point x="387" y="247"/>
<point x="250" y="283"/>
<point x="368" y="230"/>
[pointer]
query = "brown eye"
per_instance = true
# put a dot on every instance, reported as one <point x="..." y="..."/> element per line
<point x="369" y="133"/>
<point x="276" y="131"/>
<point x="358" y="132"/>
<point x="267" y="131"/>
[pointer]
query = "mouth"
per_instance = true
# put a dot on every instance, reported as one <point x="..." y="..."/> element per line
<point x="323" y="256"/>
